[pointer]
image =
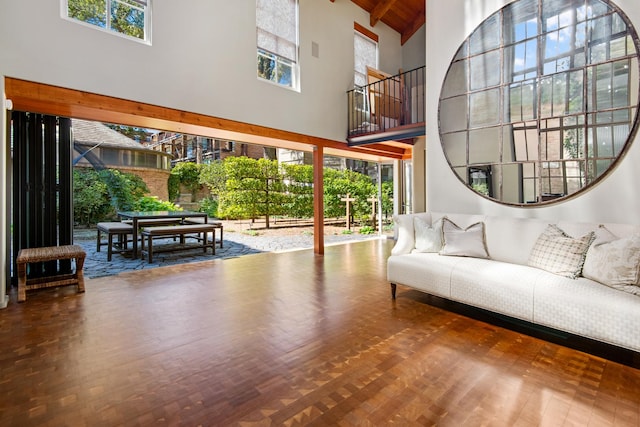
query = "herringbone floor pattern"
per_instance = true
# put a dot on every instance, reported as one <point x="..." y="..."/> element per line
<point x="287" y="339"/>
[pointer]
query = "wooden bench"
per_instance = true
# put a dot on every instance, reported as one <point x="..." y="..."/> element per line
<point x="152" y="222"/>
<point x="49" y="253"/>
<point x="216" y="224"/>
<point x="182" y="231"/>
<point x="120" y="229"/>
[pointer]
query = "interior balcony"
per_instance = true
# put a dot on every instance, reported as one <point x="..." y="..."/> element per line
<point x="388" y="108"/>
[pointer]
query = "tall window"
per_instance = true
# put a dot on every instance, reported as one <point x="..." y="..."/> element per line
<point x="365" y="52"/>
<point x="129" y="18"/>
<point x="277" y="41"/>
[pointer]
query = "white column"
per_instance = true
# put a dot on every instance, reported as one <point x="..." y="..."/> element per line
<point x="419" y="175"/>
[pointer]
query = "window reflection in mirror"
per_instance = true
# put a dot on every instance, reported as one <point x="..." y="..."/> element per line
<point x="541" y="100"/>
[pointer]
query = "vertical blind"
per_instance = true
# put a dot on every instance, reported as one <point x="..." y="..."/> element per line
<point x="276" y="27"/>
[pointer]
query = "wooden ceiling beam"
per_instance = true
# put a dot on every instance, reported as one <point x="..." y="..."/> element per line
<point x="379" y="11"/>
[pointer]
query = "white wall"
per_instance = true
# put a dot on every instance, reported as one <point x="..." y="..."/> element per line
<point x="202" y="59"/>
<point x="615" y="199"/>
<point x="413" y="51"/>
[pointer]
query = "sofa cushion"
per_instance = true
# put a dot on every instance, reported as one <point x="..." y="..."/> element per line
<point x="405" y="239"/>
<point x="558" y="253"/>
<point x="412" y="270"/>
<point x="587" y="308"/>
<point x="427" y="238"/>
<point x="615" y="263"/>
<point x="497" y="286"/>
<point x="511" y="239"/>
<point x="468" y="242"/>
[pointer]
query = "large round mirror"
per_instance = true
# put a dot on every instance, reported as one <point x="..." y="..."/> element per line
<point x="541" y="100"/>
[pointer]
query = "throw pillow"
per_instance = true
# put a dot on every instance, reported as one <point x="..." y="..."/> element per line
<point x="463" y="242"/>
<point x="428" y="238"/>
<point x="557" y="252"/>
<point x="615" y="264"/>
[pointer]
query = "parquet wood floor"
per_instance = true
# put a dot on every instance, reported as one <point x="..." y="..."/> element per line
<point x="287" y="339"/>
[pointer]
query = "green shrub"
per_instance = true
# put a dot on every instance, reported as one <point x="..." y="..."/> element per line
<point x="213" y="176"/>
<point x="173" y="186"/>
<point x="125" y="189"/>
<point x="186" y="174"/>
<point x="91" y="200"/>
<point x="367" y="229"/>
<point x="210" y="206"/>
<point x="152" y="203"/>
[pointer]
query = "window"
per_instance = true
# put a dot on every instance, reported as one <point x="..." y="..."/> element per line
<point x="130" y="18"/>
<point x="365" y="53"/>
<point x="277" y="41"/>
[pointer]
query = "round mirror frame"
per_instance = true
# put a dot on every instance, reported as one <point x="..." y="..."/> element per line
<point x="549" y="107"/>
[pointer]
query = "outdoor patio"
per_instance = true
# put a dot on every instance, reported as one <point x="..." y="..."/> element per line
<point x="240" y="238"/>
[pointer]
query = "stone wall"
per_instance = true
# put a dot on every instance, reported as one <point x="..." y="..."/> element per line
<point x="156" y="180"/>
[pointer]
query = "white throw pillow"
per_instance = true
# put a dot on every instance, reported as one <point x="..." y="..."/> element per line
<point x="557" y="252"/>
<point x="468" y="242"/>
<point x="405" y="239"/>
<point x="428" y="238"/>
<point x="615" y="264"/>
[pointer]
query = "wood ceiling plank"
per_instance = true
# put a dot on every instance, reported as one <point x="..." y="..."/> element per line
<point x="410" y="30"/>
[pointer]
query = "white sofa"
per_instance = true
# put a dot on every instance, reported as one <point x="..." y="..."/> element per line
<point x="504" y="283"/>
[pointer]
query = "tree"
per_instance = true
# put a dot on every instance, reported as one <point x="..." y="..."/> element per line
<point x="213" y="175"/>
<point x="135" y="133"/>
<point x="299" y="186"/>
<point x="387" y="198"/>
<point x="125" y="16"/>
<point x="254" y="188"/>
<point x="266" y="66"/>
<point x="127" y="20"/>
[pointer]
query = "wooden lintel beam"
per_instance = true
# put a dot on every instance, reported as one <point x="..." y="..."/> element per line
<point x="382" y="148"/>
<point x="378" y="12"/>
<point x="414" y="26"/>
<point x="46" y="99"/>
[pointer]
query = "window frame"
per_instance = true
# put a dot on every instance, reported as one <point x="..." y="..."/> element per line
<point x="359" y="30"/>
<point x="294" y="81"/>
<point x="143" y="5"/>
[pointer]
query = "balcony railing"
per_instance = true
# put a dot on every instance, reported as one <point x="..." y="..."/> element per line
<point x="388" y="109"/>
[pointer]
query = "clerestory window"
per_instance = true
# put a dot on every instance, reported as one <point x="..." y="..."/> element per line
<point x="365" y="53"/>
<point x="277" y="41"/>
<point x="129" y="18"/>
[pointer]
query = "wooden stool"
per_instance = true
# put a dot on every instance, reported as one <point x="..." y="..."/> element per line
<point x="49" y="253"/>
<point x="120" y="229"/>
